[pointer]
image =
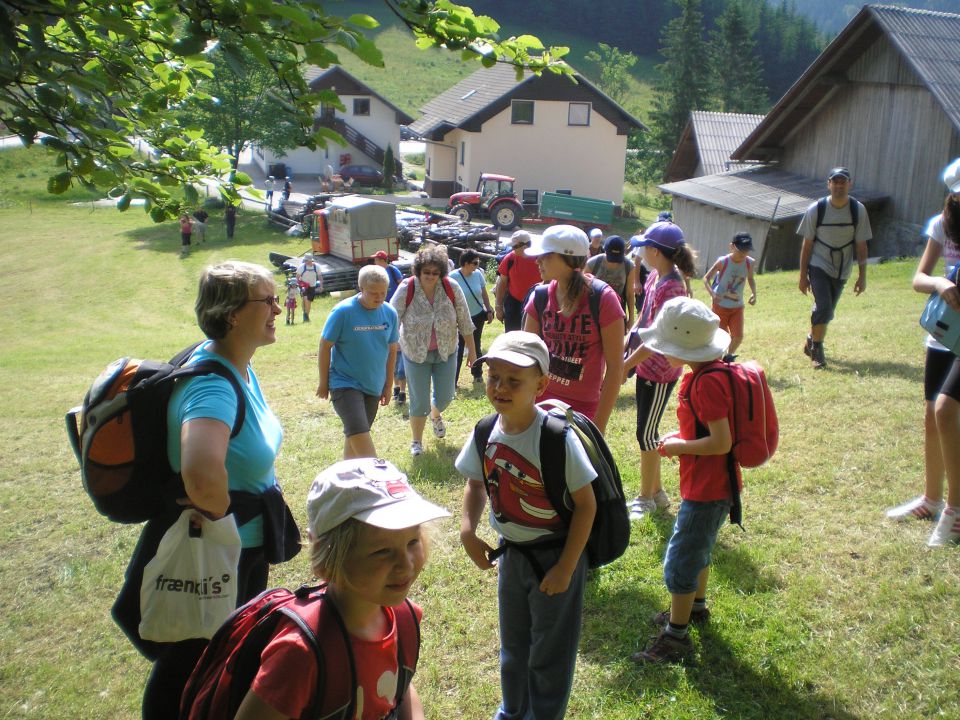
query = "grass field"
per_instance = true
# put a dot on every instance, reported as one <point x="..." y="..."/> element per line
<point x="821" y="609"/>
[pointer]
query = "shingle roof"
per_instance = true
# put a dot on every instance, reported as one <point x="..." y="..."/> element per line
<point x="928" y="41"/>
<point x="336" y="76"/>
<point x="489" y="90"/>
<point x="718" y="135"/>
<point x="753" y="192"/>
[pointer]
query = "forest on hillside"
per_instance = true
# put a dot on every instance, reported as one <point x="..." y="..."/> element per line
<point x="786" y="41"/>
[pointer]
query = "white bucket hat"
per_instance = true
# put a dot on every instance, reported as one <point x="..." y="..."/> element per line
<point x="687" y="329"/>
<point x="951" y="176"/>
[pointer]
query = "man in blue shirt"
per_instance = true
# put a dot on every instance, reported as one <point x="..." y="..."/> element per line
<point x="358" y="351"/>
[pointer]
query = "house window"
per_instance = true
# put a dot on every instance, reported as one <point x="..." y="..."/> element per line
<point x="361" y="106"/>
<point x="578" y="113"/>
<point x="564" y="192"/>
<point x="531" y="197"/>
<point x="463" y="151"/>
<point x="521" y="112"/>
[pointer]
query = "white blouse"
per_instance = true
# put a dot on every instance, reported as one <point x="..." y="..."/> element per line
<point x="421" y="317"/>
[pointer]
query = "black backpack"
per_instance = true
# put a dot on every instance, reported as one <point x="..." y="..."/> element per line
<point x="119" y="435"/>
<point x="854" y="208"/>
<point x="610" y="534"/>
<point x="541" y="297"/>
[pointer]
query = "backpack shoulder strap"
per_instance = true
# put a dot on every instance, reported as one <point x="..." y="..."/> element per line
<point x="481" y="436"/>
<point x="408" y="646"/>
<point x="821" y="211"/>
<point x="553" y="460"/>
<point x="854" y="205"/>
<point x="410" y="289"/>
<point x="541" y="295"/>
<point x="594" y="295"/>
<point x="448" y="288"/>
<point x="210" y="367"/>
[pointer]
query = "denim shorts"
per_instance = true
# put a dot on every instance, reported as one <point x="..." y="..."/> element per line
<point x="691" y="546"/>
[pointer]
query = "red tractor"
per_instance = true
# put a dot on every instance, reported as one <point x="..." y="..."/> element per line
<point x="493" y="198"/>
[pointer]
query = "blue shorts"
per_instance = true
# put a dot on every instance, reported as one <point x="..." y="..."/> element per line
<point x="691" y="546"/>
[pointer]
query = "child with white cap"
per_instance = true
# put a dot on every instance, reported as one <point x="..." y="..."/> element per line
<point x="367" y="541"/>
<point x="543" y="566"/>
<point x="686" y="332"/>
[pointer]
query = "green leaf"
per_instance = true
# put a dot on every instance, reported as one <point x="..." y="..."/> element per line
<point x="191" y="195"/>
<point x="241" y="178"/>
<point x="364" y="21"/>
<point x="59" y="183"/>
<point x="123" y="204"/>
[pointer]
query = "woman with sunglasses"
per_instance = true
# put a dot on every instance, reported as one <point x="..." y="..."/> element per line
<point x="432" y="310"/>
<point x="236" y="308"/>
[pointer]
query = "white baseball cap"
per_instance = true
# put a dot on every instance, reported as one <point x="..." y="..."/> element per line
<point x="520" y="348"/>
<point x="596" y="232"/>
<point x="561" y="239"/>
<point x="687" y="329"/>
<point x="370" y="490"/>
<point x="951" y="176"/>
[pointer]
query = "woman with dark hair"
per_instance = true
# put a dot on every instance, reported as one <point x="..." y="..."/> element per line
<point x="581" y="321"/>
<point x="470" y="279"/>
<point x="941" y="380"/>
<point x="236" y="308"/>
<point x="432" y="310"/>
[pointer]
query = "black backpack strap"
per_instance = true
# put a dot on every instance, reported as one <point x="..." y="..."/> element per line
<point x="210" y="367"/>
<point x="553" y="460"/>
<point x="481" y="436"/>
<point x="594" y="294"/>
<point x="541" y="295"/>
<point x="736" y="507"/>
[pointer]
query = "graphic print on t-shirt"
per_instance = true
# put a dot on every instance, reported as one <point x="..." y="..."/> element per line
<point x="566" y="339"/>
<point x="516" y="489"/>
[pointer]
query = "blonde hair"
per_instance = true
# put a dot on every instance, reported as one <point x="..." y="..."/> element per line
<point x="328" y="552"/>
<point x="372" y="275"/>
<point x="224" y="289"/>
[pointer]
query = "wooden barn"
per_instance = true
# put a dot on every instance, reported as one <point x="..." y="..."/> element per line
<point x="883" y="99"/>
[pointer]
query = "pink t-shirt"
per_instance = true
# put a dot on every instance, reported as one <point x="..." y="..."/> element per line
<point x="576" y="348"/>
<point x="656" y="292"/>
<point x="287" y="678"/>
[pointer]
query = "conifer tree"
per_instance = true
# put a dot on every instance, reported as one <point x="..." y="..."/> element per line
<point x="684" y="83"/>
<point x="736" y="68"/>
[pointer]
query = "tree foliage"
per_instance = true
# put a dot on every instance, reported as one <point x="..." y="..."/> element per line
<point x="389" y="168"/>
<point x="92" y="78"/>
<point x="737" y="71"/>
<point x="684" y="76"/>
<point x="615" y="69"/>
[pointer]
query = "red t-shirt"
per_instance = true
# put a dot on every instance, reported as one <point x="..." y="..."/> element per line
<point x="704" y="477"/>
<point x="522" y="273"/>
<point x="287" y="678"/>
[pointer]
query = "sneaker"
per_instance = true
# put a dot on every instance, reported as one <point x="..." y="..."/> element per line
<point x="396" y="393"/>
<point x="661" y="499"/>
<point x="697" y="617"/>
<point x="817" y="358"/>
<point x="919" y="508"/>
<point x="402" y="397"/>
<point x="439" y="429"/>
<point x="947" y="531"/>
<point x="641" y="508"/>
<point x="665" y="648"/>
<point x="416" y="448"/>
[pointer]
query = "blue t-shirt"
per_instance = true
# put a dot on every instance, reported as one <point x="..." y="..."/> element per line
<point x="472" y="290"/>
<point x="394" y="278"/>
<point x="361" y="342"/>
<point x="251" y="454"/>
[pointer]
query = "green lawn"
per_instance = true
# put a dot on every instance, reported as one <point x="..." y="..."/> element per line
<point x="822" y="609"/>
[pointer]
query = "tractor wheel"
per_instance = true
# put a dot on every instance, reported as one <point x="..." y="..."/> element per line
<point x="462" y="211"/>
<point x="506" y="216"/>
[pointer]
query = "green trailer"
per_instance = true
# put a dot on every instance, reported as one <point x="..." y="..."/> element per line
<point x="575" y="210"/>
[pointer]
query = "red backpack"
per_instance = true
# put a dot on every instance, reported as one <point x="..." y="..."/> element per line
<point x="225" y="672"/>
<point x="755" y="429"/>
<point x="447" y="288"/>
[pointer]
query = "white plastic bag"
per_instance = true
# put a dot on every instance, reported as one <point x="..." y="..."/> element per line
<point x="190" y="586"/>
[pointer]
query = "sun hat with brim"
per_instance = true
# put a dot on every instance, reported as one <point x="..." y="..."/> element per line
<point x="687" y="329"/>
<point x="517" y="347"/>
<point x="951" y="176"/>
<point x="372" y="491"/>
<point x="561" y="239"/>
<point x="664" y="236"/>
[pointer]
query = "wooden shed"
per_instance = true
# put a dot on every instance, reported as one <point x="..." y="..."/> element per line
<point x="883" y="99"/>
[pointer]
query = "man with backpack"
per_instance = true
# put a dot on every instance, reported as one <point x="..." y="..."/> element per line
<point x="834" y="230"/>
<point x="517" y="274"/>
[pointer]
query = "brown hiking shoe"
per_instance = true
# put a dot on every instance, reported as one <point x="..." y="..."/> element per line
<point x="665" y="648"/>
<point x="697" y="617"/>
<point x="808" y="347"/>
<point x="817" y="359"/>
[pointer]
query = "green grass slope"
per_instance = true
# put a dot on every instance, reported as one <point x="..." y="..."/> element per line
<point x="822" y="609"/>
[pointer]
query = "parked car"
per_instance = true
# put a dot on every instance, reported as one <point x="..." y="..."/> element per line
<point x="362" y="174"/>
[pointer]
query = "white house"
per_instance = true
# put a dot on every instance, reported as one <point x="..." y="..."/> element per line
<point x="548" y="132"/>
<point x="370" y="124"/>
